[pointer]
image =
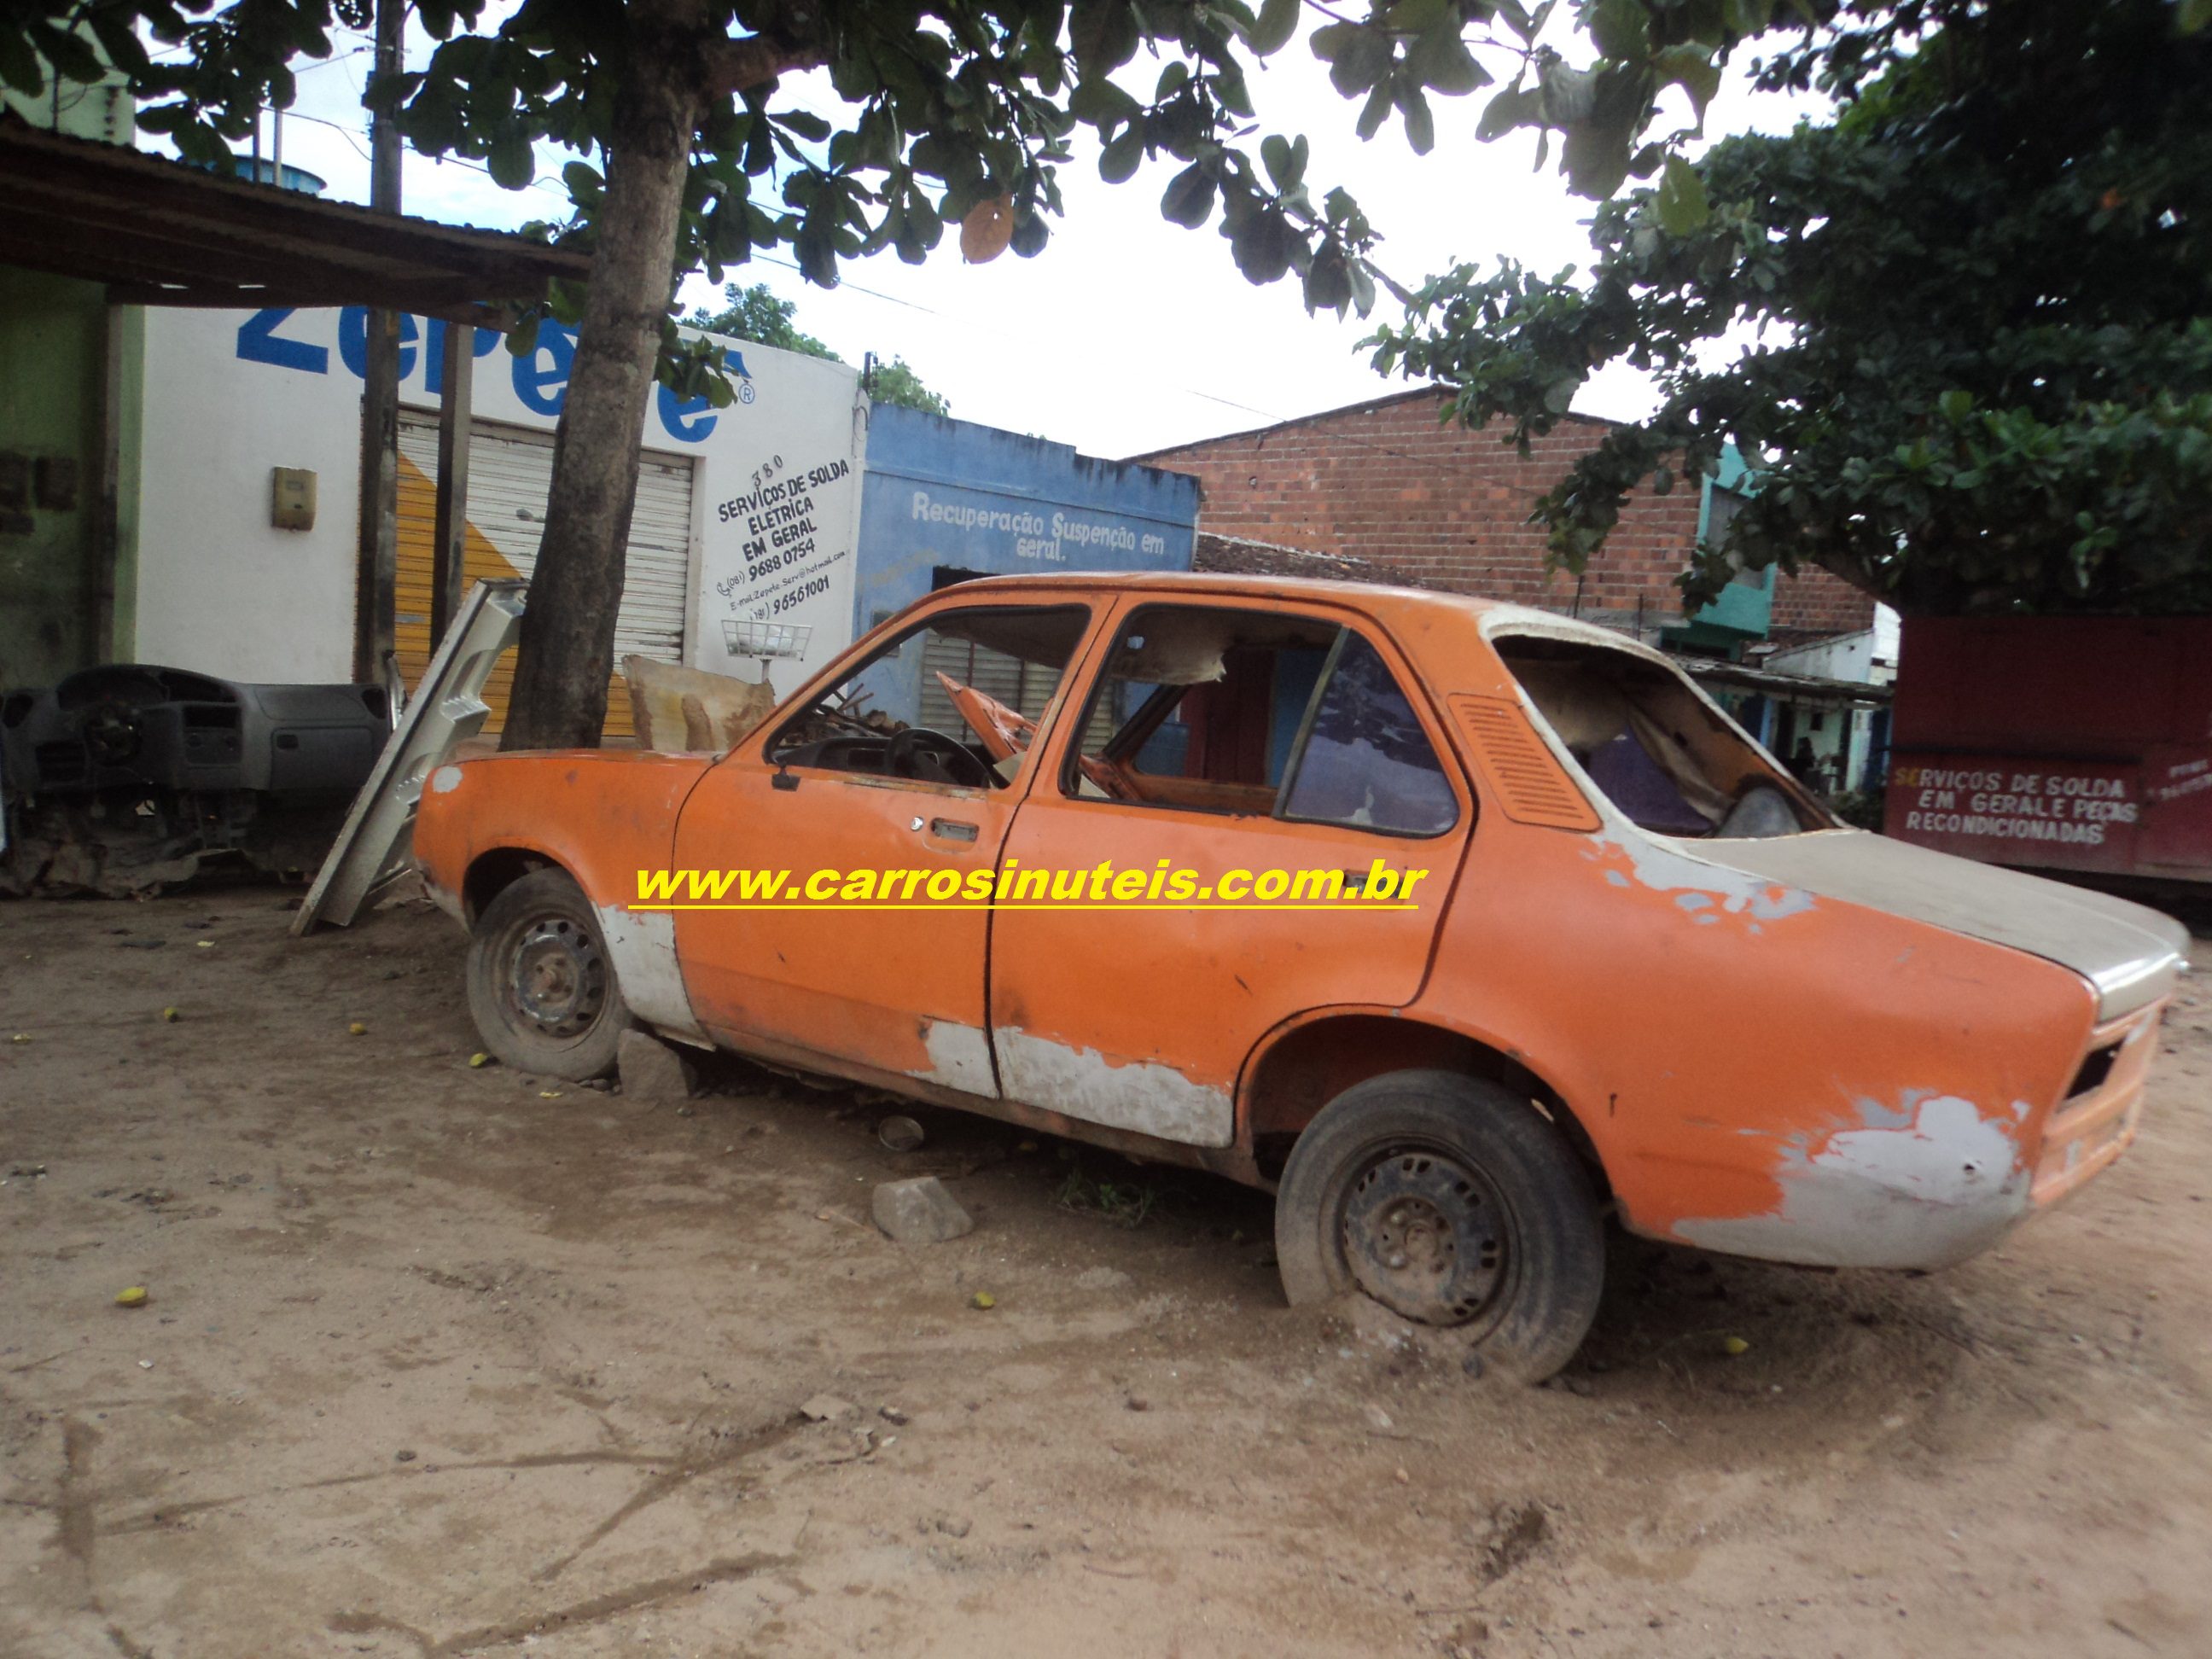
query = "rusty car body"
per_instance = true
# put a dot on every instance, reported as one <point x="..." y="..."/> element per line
<point x="1652" y="976"/>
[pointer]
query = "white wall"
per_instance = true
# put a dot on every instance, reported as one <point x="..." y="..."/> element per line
<point x="231" y="395"/>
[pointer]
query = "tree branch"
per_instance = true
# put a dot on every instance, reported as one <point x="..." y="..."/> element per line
<point x="736" y="66"/>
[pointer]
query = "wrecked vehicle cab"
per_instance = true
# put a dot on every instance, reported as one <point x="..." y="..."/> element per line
<point x="1458" y="925"/>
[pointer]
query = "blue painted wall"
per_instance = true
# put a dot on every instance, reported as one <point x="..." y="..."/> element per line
<point x="943" y="493"/>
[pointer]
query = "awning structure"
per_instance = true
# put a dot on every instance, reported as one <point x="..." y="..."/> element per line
<point x="1785" y="687"/>
<point x="159" y="232"/>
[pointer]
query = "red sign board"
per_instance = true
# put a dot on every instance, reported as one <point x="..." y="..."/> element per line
<point x="2073" y="743"/>
<point x="2067" y="815"/>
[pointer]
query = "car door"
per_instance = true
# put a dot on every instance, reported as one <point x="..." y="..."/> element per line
<point x="833" y="969"/>
<point x="1281" y="738"/>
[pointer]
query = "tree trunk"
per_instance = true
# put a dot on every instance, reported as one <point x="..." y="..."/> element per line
<point x="560" y="695"/>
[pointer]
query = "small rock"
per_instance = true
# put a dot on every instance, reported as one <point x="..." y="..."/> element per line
<point x="919" y="1211"/>
<point x="1471" y="1365"/>
<point x="953" y="1526"/>
<point x="1137" y="1402"/>
<point x="1581" y="1386"/>
<point x="826" y="1408"/>
<point x="402" y="1456"/>
<point x="653" y="1073"/>
<point x="892" y="1415"/>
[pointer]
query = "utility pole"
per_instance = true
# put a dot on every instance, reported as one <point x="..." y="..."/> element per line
<point x="375" y="600"/>
<point x="449" y="551"/>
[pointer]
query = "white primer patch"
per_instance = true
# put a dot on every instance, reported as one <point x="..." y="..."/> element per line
<point x="643" y="945"/>
<point x="1738" y="892"/>
<point x="959" y="1057"/>
<point x="1146" y="1096"/>
<point x="1924" y="1185"/>
<point x="444" y="780"/>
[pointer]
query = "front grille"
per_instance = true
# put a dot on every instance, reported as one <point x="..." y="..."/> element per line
<point x="2093" y="1124"/>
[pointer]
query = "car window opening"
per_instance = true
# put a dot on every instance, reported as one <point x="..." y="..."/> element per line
<point x="1662" y="756"/>
<point x="954" y="702"/>
<point x="1258" y="714"/>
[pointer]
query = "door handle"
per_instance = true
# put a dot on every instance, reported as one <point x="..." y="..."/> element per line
<point x="952" y="829"/>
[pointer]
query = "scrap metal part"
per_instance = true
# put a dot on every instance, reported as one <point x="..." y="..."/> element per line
<point x="124" y="778"/>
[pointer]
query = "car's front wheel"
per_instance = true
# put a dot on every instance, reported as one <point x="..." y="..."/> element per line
<point x="1452" y="1201"/>
<point x="541" y="986"/>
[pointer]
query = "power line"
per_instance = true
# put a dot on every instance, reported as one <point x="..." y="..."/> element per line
<point x="550" y="187"/>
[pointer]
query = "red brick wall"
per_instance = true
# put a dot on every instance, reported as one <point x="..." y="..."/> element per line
<point x="1387" y="481"/>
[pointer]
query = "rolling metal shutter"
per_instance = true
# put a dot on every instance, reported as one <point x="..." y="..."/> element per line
<point x="510" y="476"/>
<point x="1024" y="687"/>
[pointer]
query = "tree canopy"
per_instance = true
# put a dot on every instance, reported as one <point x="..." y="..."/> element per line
<point x="952" y="112"/>
<point x="759" y="315"/>
<point x="1964" y="328"/>
<point x="691" y="150"/>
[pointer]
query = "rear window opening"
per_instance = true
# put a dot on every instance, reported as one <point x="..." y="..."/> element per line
<point x="1662" y="755"/>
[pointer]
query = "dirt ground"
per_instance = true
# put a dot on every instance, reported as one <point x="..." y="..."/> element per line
<point x="449" y="1361"/>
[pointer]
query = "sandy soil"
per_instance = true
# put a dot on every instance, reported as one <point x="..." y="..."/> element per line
<point x="448" y="1361"/>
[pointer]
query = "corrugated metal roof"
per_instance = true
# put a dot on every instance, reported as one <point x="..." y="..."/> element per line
<point x="161" y="232"/>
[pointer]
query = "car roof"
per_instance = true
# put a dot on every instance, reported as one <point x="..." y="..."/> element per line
<point x="1387" y="604"/>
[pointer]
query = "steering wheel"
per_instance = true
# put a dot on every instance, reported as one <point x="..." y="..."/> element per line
<point x="908" y="746"/>
<point x="111" y="730"/>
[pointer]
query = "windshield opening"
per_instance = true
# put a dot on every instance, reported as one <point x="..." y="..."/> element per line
<point x="1666" y="759"/>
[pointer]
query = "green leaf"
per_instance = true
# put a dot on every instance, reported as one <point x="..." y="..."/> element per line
<point x="1103" y="34"/>
<point x="67" y="52"/>
<point x="1118" y="161"/>
<point x="1621" y="29"/>
<point x="1357" y="57"/>
<point x="1440" y="61"/>
<point x="1420" y="126"/>
<point x="2193" y="15"/>
<point x="1188" y="198"/>
<point x="513" y="166"/>
<point x="1278" y="21"/>
<point x="1679" y="200"/>
<point x="1100" y="103"/>
<point x="1419" y="16"/>
<point x="1689" y="68"/>
<point x="1514" y="107"/>
<point x="1955" y="405"/>
<point x="19" y="64"/>
<point x="1377" y="111"/>
<point x="803" y="124"/>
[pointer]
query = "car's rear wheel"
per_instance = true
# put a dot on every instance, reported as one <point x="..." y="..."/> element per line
<point x="1453" y="1202"/>
<point x="541" y="984"/>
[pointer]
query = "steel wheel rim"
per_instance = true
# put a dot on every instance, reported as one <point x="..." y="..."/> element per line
<point x="557" y="977"/>
<point x="1427" y="1235"/>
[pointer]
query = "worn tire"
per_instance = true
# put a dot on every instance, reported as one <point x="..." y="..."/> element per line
<point x="1535" y="1196"/>
<point x="544" y="920"/>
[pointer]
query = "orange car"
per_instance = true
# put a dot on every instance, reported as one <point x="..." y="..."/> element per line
<point x="1646" y="973"/>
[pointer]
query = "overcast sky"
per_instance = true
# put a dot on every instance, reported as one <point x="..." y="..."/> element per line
<point x="1127" y="333"/>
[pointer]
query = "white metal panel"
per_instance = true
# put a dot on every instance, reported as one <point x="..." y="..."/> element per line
<point x="510" y="477"/>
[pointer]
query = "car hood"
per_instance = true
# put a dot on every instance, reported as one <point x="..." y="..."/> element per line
<point x="2129" y="953"/>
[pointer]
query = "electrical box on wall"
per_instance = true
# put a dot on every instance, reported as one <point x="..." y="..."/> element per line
<point x="291" y="498"/>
